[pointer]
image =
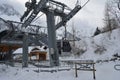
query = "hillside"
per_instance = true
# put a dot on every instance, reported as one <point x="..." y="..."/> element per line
<point x="102" y="46"/>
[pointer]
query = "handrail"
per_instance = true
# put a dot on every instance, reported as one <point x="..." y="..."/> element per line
<point x="116" y="67"/>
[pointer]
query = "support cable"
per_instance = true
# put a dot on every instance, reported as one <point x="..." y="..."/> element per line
<point x="85" y="4"/>
<point x="70" y="15"/>
<point x="37" y="18"/>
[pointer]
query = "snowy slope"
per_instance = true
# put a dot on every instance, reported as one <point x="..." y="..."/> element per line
<point x="107" y="44"/>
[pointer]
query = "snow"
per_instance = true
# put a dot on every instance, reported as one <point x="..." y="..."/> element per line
<point x="108" y="72"/>
<point x="104" y="71"/>
<point x="29" y="49"/>
<point x="110" y="42"/>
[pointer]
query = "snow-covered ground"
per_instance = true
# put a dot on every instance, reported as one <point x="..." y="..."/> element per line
<point x="104" y="71"/>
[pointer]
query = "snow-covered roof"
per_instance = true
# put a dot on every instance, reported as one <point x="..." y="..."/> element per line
<point x="19" y="51"/>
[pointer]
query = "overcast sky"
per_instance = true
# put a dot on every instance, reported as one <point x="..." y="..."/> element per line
<point x="90" y="16"/>
<point x="93" y="12"/>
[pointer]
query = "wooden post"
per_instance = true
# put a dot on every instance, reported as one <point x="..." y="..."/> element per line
<point x="76" y="74"/>
<point x="94" y="72"/>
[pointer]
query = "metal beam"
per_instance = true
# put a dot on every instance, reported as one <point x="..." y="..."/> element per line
<point x="25" y="51"/>
<point x="68" y="17"/>
<point x="12" y="42"/>
<point x="54" y="56"/>
<point x="35" y="12"/>
<point x="23" y="23"/>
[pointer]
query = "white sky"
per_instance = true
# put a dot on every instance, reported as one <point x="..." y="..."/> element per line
<point x="92" y="13"/>
<point x="87" y="19"/>
<point x="91" y="16"/>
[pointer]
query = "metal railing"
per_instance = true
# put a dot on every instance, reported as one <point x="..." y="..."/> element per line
<point x="117" y="67"/>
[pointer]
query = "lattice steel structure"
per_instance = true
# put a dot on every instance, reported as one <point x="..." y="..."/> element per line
<point x="28" y="34"/>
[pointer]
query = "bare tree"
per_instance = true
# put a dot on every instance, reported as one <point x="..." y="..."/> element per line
<point x="112" y="14"/>
<point x="112" y="17"/>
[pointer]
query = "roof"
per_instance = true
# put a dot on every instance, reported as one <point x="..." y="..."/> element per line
<point x="6" y="48"/>
<point x="35" y="49"/>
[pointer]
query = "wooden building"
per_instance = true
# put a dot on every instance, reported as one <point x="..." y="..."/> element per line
<point x="39" y="55"/>
<point x="6" y="51"/>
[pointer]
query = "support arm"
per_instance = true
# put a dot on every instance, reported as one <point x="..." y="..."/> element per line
<point x="68" y="17"/>
<point x="35" y="12"/>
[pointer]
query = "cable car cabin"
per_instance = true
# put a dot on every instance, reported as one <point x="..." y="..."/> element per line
<point x="38" y="55"/>
<point x="63" y="45"/>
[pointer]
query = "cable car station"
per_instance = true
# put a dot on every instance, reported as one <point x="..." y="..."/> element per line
<point x="27" y="34"/>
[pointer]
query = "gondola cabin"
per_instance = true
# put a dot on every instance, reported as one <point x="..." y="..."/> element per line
<point x="63" y="46"/>
<point x="38" y="55"/>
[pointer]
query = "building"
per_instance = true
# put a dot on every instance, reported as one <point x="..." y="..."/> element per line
<point x="38" y="55"/>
